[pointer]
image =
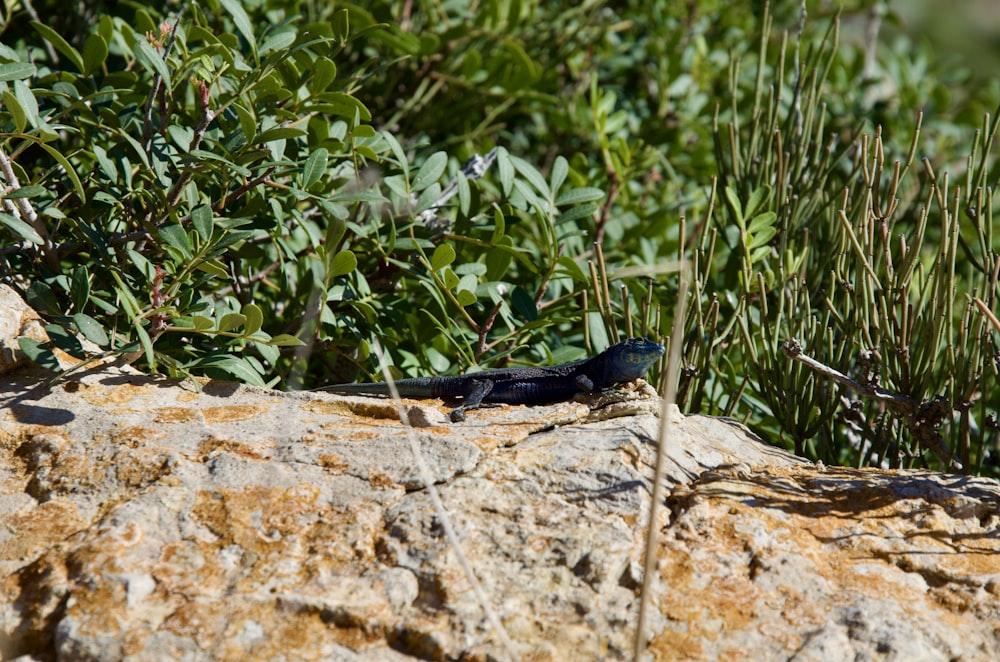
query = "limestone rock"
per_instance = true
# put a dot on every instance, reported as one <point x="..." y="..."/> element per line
<point x="141" y="517"/>
<point x="17" y="320"/>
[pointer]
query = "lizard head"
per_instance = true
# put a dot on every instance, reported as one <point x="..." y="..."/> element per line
<point x="632" y="358"/>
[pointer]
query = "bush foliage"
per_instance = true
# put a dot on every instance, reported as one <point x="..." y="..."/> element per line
<point x="260" y="190"/>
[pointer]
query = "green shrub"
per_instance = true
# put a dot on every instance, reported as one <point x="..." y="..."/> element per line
<point x="259" y="190"/>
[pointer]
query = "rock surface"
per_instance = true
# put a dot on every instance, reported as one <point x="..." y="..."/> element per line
<point x="143" y="519"/>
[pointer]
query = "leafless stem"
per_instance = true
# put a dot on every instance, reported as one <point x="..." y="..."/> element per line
<point x="207" y="115"/>
<point x="922" y="418"/>
<point x="259" y="179"/>
<point x="154" y="92"/>
<point x="666" y="409"/>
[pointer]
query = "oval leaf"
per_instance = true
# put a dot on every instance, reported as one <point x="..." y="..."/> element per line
<point x="255" y="318"/>
<point x="343" y="263"/>
<point x="761" y="221"/>
<point x="91" y="329"/>
<point x="443" y="256"/>
<point x="430" y="171"/>
<point x="202" y="323"/>
<point x="60" y="44"/>
<point x="16" y="71"/>
<point x="231" y="321"/>
<point x="21" y="229"/>
<point x="285" y="340"/>
<point x="577" y="195"/>
<point x="95" y="52"/>
<point x="315" y="167"/>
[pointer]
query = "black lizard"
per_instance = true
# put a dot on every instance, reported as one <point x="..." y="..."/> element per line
<point x="621" y="363"/>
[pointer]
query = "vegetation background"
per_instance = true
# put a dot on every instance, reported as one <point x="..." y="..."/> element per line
<point x="259" y="190"/>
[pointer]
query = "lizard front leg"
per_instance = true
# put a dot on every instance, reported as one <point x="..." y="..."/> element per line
<point x="478" y="389"/>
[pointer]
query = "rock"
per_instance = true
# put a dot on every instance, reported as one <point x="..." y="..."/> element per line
<point x="17" y="320"/>
<point x="142" y="517"/>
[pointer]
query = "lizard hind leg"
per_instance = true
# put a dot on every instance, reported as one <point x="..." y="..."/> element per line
<point x="478" y="389"/>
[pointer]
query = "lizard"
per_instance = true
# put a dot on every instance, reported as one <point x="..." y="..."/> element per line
<point x="621" y="363"/>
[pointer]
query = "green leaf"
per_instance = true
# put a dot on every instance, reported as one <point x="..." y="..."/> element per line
<point x="152" y="61"/>
<point x="497" y="263"/>
<point x="248" y="123"/>
<point x="60" y="44"/>
<point x="28" y="104"/>
<point x="38" y="353"/>
<point x="41" y="297"/>
<point x="443" y="255"/>
<point x="128" y="301"/>
<point x="324" y="73"/>
<point x="241" y="20"/>
<point x="279" y="133"/>
<point x="572" y="269"/>
<point x="202" y="219"/>
<point x="231" y="321"/>
<point x="735" y="205"/>
<point x="524" y="303"/>
<point x="91" y="329"/>
<point x="235" y="367"/>
<point x="12" y="105"/>
<point x="340" y="25"/>
<point x="763" y="237"/>
<point x="147" y="346"/>
<point x="531" y="173"/>
<point x="560" y="168"/>
<point x="343" y="263"/>
<point x="24" y="192"/>
<point x="107" y="166"/>
<point x="202" y="323"/>
<point x="506" y="170"/>
<point x="16" y="71"/>
<point x="397" y="151"/>
<point x="285" y="340"/>
<point x="499" y="227"/>
<point x="761" y="221"/>
<point x="431" y="171"/>
<point x="578" y="212"/>
<point x="63" y="338"/>
<point x="21" y="229"/>
<point x="450" y="278"/>
<point x="428" y="197"/>
<point x="79" y="288"/>
<point x="265" y="349"/>
<point x="395" y="38"/>
<point x="466" y="297"/>
<point x="95" y="52"/>
<point x="464" y="194"/>
<point x="577" y="195"/>
<point x="254" y="316"/>
<point x="397" y="185"/>
<point x="175" y="236"/>
<point x="213" y="267"/>
<point x="757" y="198"/>
<point x="68" y="168"/>
<point x="468" y="283"/>
<point x="277" y="42"/>
<point x="760" y="253"/>
<point x="342" y="105"/>
<point x="315" y="167"/>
